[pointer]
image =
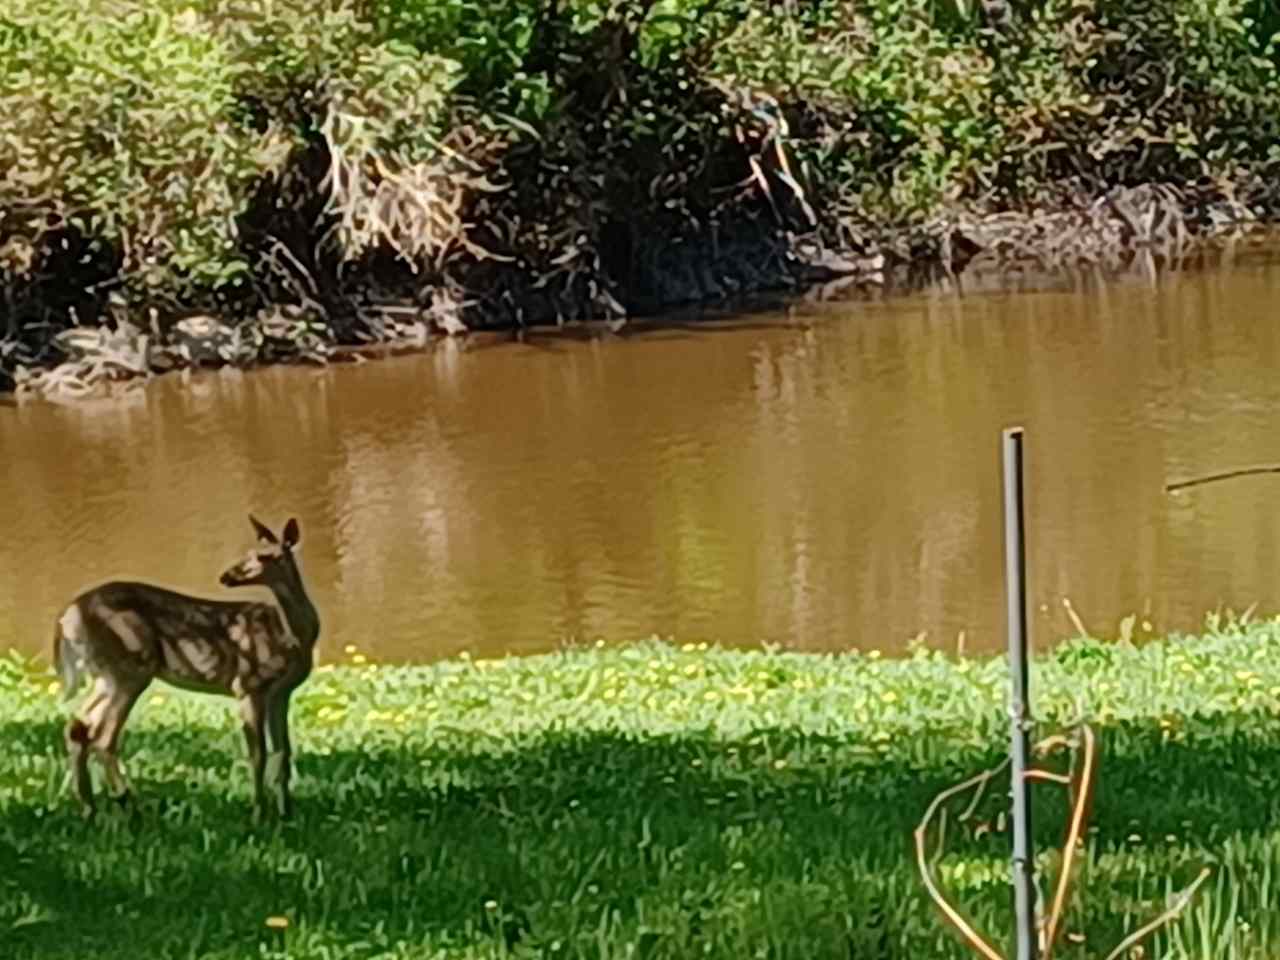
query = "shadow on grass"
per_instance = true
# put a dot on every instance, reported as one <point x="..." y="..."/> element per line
<point x="589" y="844"/>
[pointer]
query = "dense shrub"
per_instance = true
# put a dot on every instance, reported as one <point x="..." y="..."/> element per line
<point x="913" y="109"/>
<point x="236" y="154"/>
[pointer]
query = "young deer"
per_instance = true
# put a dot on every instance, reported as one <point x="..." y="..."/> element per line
<point x="127" y="634"/>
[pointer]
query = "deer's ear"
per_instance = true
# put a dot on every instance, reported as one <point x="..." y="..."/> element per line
<point x="291" y="533"/>
<point x="262" y="532"/>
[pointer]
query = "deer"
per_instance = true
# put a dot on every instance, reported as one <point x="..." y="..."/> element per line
<point x="126" y="634"/>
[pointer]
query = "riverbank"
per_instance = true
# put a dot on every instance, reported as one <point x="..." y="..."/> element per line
<point x="651" y="799"/>
<point x="236" y="181"/>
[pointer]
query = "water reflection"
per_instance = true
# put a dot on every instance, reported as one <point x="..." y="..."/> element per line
<point x="822" y="480"/>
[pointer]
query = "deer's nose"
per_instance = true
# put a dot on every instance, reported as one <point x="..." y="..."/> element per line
<point x="225" y="579"/>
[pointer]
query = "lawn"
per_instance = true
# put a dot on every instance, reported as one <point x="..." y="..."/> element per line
<point x="651" y="801"/>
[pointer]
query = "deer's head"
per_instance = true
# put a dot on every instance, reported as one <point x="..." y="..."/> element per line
<point x="269" y="561"/>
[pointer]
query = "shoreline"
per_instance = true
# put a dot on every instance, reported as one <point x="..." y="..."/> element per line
<point x="102" y="357"/>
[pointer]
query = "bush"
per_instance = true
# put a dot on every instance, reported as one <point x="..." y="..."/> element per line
<point x="908" y="109"/>
<point x="240" y="154"/>
<point x="117" y="120"/>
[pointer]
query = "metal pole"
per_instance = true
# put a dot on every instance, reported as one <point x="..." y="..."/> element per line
<point x="1015" y="568"/>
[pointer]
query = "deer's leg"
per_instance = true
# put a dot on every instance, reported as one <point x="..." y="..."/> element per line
<point x="253" y="715"/>
<point x="106" y="731"/>
<point x="281" y="751"/>
<point x="78" y="736"/>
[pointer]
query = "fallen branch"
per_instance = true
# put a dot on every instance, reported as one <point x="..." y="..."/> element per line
<point x="1228" y="475"/>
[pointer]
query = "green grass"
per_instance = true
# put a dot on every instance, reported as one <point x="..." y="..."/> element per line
<point x="649" y="801"/>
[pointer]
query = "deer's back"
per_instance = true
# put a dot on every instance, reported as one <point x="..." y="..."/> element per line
<point x="135" y="630"/>
<point x="147" y="598"/>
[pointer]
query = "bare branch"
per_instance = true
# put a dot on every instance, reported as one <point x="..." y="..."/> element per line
<point x="1179" y="904"/>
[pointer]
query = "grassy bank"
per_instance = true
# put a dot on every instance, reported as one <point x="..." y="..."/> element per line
<point x="372" y="169"/>
<point x="649" y="801"/>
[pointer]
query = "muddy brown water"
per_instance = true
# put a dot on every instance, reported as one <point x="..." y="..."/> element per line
<point x="822" y="479"/>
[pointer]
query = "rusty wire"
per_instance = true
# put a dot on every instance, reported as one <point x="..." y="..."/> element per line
<point x="1081" y="784"/>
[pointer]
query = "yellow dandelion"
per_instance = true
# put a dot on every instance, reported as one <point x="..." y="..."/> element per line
<point x="359" y="658"/>
<point x="888" y="696"/>
<point x="278" y="923"/>
<point x="349" y="648"/>
<point x="53" y="686"/>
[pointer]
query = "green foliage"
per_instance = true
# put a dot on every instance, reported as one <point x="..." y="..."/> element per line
<point x="1200" y="81"/>
<point x="653" y="800"/>
<point x="114" y="117"/>
<point x="147" y="126"/>
<point x="185" y="143"/>
<point x="918" y="108"/>
<point x="491" y="40"/>
<point x="906" y="107"/>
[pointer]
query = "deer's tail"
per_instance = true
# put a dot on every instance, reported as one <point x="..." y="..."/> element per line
<point x="66" y="660"/>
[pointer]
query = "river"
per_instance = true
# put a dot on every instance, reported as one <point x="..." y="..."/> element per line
<point x="822" y="478"/>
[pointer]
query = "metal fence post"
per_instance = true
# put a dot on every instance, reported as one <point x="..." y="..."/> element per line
<point x="1019" y="703"/>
